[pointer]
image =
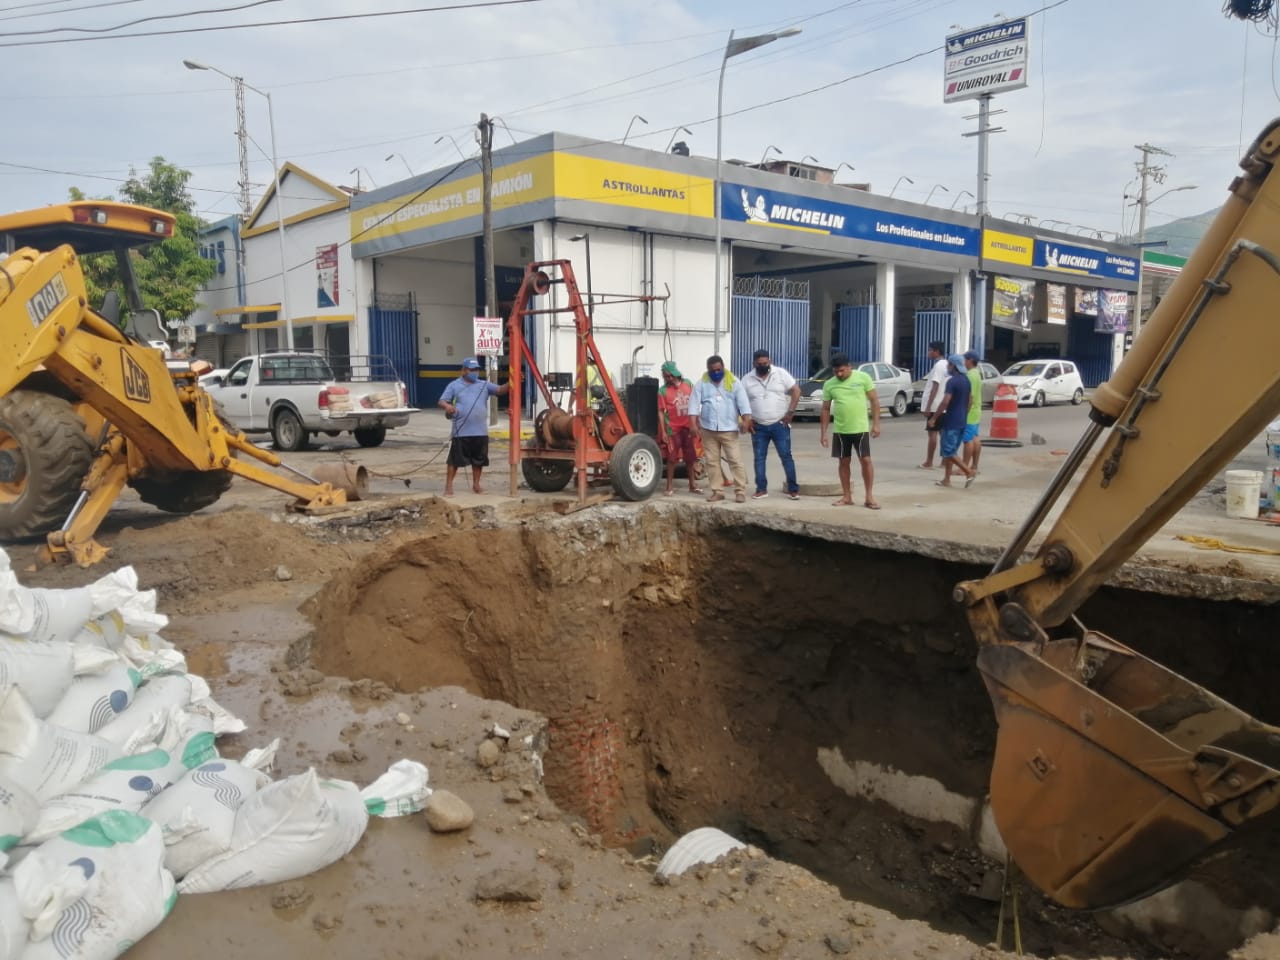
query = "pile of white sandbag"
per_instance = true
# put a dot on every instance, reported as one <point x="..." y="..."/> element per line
<point x="113" y="798"/>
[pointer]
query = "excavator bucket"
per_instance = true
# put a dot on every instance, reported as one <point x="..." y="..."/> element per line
<point x="1113" y="775"/>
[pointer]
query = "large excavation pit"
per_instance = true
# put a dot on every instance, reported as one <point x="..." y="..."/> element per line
<point x="818" y="699"/>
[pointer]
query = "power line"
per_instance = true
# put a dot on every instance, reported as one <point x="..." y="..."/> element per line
<point x="270" y="23"/>
<point x="137" y="22"/>
<point x="55" y="13"/>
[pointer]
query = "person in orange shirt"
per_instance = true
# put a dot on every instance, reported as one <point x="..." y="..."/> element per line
<point x="673" y="408"/>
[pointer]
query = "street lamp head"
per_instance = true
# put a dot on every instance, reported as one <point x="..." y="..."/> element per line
<point x="789" y="32"/>
<point x="577" y="236"/>
<point x="195" y="65"/>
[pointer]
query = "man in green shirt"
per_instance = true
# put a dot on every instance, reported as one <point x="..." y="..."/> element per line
<point x="973" y="425"/>
<point x="846" y="399"/>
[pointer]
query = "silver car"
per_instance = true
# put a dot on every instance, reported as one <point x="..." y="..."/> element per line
<point x="893" y="389"/>
<point x="990" y="383"/>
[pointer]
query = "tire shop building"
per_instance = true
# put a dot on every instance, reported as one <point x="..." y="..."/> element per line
<point x="1054" y="295"/>
<point x="808" y="267"/>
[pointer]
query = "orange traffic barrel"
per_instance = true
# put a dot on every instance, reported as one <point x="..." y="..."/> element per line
<point x="1004" y="417"/>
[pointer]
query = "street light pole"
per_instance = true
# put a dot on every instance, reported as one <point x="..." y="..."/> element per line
<point x="275" y="169"/>
<point x="731" y="49"/>
<point x="898" y="181"/>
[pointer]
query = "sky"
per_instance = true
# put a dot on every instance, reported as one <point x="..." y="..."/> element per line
<point x="347" y="94"/>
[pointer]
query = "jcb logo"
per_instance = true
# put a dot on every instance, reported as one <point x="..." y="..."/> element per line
<point x="137" y="385"/>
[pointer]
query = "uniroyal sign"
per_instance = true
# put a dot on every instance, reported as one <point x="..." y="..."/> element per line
<point x="991" y="59"/>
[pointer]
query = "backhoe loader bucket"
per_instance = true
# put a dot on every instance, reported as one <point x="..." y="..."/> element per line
<point x="1110" y="789"/>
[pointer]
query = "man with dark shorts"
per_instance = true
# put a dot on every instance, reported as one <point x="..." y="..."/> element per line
<point x="466" y="402"/>
<point x="845" y="399"/>
<point x="951" y="417"/>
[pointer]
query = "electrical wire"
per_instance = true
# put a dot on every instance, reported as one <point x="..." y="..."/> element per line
<point x="55" y="13"/>
<point x="271" y="23"/>
<point x="1044" y="84"/>
<point x="137" y="22"/>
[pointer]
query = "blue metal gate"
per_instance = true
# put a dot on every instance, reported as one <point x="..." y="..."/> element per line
<point x="778" y="324"/>
<point x="861" y="333"/>
<point x="393" y="333"/>
<point x="932" y="325"/>
<point x="1090" y="351"/>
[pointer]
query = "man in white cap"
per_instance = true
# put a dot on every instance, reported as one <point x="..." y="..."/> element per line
<point x="950" y="418"/>
<point x="466" y="402"/>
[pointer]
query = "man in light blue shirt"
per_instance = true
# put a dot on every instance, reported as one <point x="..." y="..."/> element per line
<point x="466" y="403"/>
<point x="721" y="411"/>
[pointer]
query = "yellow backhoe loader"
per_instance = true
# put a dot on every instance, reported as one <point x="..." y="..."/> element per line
<point x="1113" y="776"/>
<point x="87" y="406"/>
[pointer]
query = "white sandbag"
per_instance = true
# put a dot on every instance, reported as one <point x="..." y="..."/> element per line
<point x="152" y="657"/>
<point x="95" y="890"/>
<point x="19" y="811"/>
<point x="400" y="791"/>
<point x="41" y="757"/>
<point x="43" y="616"/>
<point x="197" y="814"/>
<point x="286" y="830"/>
<point x="95" y="699"/>
<point x="13" y="925"/>
<point x="126" y="783"/>
<point x="104" y="631"/>
<point x="151" y="703"/>
<point x="42" y="671"/>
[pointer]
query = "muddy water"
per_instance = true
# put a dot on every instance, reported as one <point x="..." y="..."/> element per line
<point x="817" y="699"/>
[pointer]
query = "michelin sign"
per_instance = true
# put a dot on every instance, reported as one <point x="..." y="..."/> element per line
<point x="990" y="59"/>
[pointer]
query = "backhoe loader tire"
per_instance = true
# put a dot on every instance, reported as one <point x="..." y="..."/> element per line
<point x="182" y="491"/>
<point x="57" y="454"/>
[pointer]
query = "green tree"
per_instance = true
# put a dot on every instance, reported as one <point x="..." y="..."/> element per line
<point x="170" y="272"/>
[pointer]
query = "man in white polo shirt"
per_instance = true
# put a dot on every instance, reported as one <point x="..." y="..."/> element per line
<point x="935" y="387"/>
<point x="773" y="394"/>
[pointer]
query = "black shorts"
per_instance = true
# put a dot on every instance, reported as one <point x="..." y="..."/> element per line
<point x="469" y="452"/>
<point x="929" y="427"/>
<point x="846" y="445"/>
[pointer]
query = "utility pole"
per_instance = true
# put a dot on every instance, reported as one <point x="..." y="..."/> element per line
<point x="1146" y="171"/>
<point x="242" y="139"/>
<point x="484" y="134"/>
<point x="978" y="335"/>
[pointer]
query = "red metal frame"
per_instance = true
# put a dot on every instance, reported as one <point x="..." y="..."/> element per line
<point x="587" y="451"/>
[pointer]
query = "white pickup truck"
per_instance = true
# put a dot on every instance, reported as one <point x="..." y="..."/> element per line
<point x="294" y="395"/>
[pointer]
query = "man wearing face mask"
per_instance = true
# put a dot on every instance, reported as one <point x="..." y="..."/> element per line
<point x="773" y="394"/>
<point x="722" y="411"/>
<point x="466" y="402"/>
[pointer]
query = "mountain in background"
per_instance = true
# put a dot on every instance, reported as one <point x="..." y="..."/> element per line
<point x="1182" y="235"/>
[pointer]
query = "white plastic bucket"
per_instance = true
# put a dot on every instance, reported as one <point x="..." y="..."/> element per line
<point x="1244" y="487"/>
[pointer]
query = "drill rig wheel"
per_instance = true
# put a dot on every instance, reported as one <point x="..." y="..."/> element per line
<point x="635" y="466"/>
<point x="546" y="476"/>
<point x="44" y="457"/>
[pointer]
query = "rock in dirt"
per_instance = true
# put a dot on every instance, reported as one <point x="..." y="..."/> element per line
<point x="488" y="753"/>
<point x="838" y="943"/>
<point x="447" y="812"/>
<point x="283" y="573"/>
<point x="509" y="886"/>
<point x="403" y="719"/>
<point x="290" y="897"/>
<point x="326" y="922"/>
<point x="369" y="689"/>
<point x="300" y="683"/>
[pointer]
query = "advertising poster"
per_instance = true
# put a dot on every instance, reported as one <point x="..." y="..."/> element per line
<point x="1056" y="296"/>
<point x="327" y="275"/>
<point x="488" y="336"/>
<point x="1012" y="302"/>
<point x="1113" y="312"/>
<point x="986" y="60"/>
<point x="1086" y="302"/>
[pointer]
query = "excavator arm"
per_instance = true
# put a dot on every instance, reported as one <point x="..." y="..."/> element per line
<point x="1113" y="775"/>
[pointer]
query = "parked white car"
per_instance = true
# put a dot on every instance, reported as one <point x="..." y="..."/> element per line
<point x="1045" y="381"/>
<point x="893" y="389"/>
<point x="294" y="395"/>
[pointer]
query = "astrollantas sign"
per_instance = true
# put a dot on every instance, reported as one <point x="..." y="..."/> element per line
<point x="990" y="59"/>
<point x="788" y="211"/>
<point x="1083" y="261"/>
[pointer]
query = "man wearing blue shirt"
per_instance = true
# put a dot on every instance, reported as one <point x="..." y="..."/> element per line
<point x="466" y="402"/>
<point x="951" y="417"/>
<point x="720" y="410"/>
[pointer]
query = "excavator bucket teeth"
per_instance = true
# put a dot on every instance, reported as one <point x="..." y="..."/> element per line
<point x="1098" y="807"/>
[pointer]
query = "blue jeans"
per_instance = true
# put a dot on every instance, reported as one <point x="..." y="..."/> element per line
<point x="780" y="434"/>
